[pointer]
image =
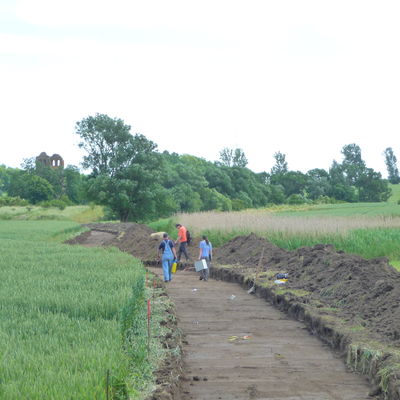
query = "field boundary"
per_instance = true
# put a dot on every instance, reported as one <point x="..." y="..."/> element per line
<point x="382" y="369"/>
<point x="168" y="376"/>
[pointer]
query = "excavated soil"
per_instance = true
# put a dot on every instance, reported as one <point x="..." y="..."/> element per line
<point x="362" y="294"/>
<point x="365" y="293"/>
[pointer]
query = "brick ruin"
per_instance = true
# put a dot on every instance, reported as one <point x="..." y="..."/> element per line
<point x="54" y="161"/>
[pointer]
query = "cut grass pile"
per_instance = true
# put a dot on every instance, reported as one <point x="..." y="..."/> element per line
<point x="68" y="315"/>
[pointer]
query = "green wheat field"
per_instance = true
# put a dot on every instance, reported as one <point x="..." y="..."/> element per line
<point x="60" y="309"/>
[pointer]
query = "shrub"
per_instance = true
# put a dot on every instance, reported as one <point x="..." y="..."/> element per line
<point x="12" y="201"/>
<point x="326" y="200"/>
<point x="57" y="203"/>
<point x="238" y="204"/>
<point x="296" y="199"/>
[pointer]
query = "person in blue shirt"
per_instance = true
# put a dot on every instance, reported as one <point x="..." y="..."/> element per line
<point x="167" y="249"/>
<point x="205" y="253"/>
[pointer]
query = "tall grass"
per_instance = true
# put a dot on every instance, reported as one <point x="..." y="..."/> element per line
<point x="390" y="209"/>
<point x="259" y="221"/>
<point x="368" y="243"/>
<point x="369" y="237"/>
<point x="61" y="321"/>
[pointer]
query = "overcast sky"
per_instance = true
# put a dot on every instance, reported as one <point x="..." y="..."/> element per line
<point x="301" y="77"/>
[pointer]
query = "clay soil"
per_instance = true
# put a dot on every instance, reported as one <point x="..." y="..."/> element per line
<point x="362" y="294"/>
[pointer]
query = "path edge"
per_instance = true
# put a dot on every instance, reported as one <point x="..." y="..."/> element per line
<point x="168" y="377"/>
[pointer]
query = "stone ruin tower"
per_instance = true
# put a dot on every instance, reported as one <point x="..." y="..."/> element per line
<point x="55" y="161"/>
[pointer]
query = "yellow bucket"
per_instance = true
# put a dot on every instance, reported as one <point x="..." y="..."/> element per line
<point x="174" y="265"/>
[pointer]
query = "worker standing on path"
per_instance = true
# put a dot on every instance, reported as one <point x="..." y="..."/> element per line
<point x="205" y="253"/>
<point x="182" y="240"/>
<point x="167" y="249"/>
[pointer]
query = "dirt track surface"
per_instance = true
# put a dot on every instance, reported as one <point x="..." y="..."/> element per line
<point x="359" y="298"/>
<point x="279" y="359"/>
<point x="363" y="293"/>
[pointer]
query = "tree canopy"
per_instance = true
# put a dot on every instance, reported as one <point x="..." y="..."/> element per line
<point x="136" y="182"/>
<point x="391" y="165"/>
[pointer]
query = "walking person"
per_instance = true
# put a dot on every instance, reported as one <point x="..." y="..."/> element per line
<point x="182" y="240"/>
<point x="205" y="253"/>
<point x="167" y="250"/>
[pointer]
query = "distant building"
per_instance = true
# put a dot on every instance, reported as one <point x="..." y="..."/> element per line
<point x="55" y="161"/>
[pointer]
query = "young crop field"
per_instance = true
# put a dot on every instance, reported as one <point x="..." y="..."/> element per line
<point x="67" y="314"/>
<point x="80" y="214"/>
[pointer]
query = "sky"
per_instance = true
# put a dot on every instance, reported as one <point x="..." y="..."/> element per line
<point x="300" y="77"/>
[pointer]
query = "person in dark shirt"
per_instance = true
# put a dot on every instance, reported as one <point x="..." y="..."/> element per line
<point x="167" y="253"/>
<point x="182" y="240"/>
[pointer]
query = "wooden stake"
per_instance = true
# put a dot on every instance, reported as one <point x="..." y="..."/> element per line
<point x="107" y="383"/>
<point x="148" y="326"/>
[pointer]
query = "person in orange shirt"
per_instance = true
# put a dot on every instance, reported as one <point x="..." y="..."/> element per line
<point x="182" y="240"/>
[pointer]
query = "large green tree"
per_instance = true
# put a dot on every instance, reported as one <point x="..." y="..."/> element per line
<point x="30" y="187"/>
<point x="233" y="158"/>
<point x="339" y="186"/>
<point x="5" y="176"/>
<point x="65" y="182"/>
<point x="317" y="183"/>
<point x="125" y="169"/>
<point x="372" y="187"/>
<point x="281" y="165"/>
<point x="353" y="165"/>
<point x="391" y="165"/>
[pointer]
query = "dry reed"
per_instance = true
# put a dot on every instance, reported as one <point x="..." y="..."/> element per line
<point x="256" y="221"/>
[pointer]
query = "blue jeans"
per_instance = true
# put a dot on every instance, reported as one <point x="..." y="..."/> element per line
<point x="167" y="266"/>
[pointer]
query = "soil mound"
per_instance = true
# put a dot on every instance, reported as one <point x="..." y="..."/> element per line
<point x="132" y="238"/>
<point x="246" y="250"/>
<point x="365" y="293"/>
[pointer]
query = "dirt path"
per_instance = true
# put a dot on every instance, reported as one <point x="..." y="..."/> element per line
<point x="237" y="346"/>
<point x="280" y="359"/>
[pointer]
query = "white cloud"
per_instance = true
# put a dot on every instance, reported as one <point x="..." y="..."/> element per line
<point x="301" y="77"/>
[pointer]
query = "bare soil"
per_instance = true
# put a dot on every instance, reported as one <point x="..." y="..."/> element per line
<point x="281" y="360"/>
<point x="364" y="293"/>
<point x="237" y="346"/>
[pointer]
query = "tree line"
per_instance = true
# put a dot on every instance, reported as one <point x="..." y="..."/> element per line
<point x="136" y="182"/>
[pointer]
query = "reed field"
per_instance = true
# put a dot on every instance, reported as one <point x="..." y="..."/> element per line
<point x="68" y="316"/>
<point x="368" y="229"/>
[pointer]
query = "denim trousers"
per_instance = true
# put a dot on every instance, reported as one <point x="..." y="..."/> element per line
<point x="167" y="266"/>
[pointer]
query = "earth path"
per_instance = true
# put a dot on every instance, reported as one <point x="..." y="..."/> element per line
<point x="280" y="360"/>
